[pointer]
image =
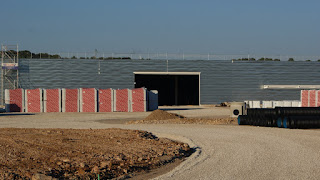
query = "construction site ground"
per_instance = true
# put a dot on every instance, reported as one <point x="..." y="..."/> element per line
<point x="220" y="151"/>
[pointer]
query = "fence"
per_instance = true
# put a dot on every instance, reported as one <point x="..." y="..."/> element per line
<point x="80" y="100"/>
<point x="166" y="56"/>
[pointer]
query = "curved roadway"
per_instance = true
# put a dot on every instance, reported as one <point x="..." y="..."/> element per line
<point x="222" y="151"/>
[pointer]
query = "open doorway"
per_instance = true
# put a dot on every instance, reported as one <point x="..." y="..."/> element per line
<point x="174" y="88"/>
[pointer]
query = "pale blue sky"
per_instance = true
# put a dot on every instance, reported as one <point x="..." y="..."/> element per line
<point x="223" y="27"/>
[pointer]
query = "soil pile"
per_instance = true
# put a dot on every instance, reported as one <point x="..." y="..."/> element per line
<point x="162" y="115"/>
<point x="213" y="121"/>
<point x="83" y="154"/>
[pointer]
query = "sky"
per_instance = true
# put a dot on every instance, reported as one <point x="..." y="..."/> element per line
<point x="190" y="26"/>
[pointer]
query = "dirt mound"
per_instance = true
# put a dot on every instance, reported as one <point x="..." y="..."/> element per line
<point x="162" y="115"/>
<point x="213" y="121"/>
<point x="83" y="154"/>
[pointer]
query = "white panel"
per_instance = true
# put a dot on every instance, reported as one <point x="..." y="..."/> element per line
<point x="287" y="103"/>
<point x="63" y="100"/>
<point x="45" y="100"/>
<point x="26" y="100"/>
<point x="256" y="104"/>
<point x="60" y="109"/>
<point x="96" y="99"/>
<point x="114" y="100"/>
<point x="296" y="103"/>
<point x="290" y="86"/>
<point x="277" y="103"/>
<point x="130" y="100"/>
<point x="7" y="99"/>
<point x="267" y="104"/>
<point x="41" y="99"/>
<point x="80" y="99"/>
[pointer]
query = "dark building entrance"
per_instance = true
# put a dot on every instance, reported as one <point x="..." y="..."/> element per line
<point x="174" y="88"/>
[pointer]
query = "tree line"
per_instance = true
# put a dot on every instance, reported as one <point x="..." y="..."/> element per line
<point x="25" y="54"/>
<point x="265" y="59"/>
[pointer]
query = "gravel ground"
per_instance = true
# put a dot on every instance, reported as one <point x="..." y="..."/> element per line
<point x="83" y="154"/>
<point x="222" y="151"/>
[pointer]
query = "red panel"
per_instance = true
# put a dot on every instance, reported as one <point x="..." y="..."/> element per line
<point x="105" y="100"/>
<point x="34" y="100"/>
<point x="312" y="98"/>
<point x="71" y="100"/>
<point x="304" y="98"/>
<point x="122" y="100"/>
<point x="53" y="100"/>
<point x="88" y="100"/>
<point x="138" y="100"/>
<point x="318" y="101"/>
<point x="16" y="100"/>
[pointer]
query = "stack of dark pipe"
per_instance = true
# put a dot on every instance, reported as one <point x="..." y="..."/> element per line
<point x="283" y="117"/>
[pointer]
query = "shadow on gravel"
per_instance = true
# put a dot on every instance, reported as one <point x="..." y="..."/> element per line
<point x="14" y="114"/>
<point x="178" y="109"/>
<point x="117" y="121"/>
<point x="166" y="165"/>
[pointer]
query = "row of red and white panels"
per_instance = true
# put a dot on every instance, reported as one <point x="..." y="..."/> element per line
<point x="80" y="100"/>
<point x="310" y="98"/>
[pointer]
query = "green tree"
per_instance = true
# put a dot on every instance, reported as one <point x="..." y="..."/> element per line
<point x="290" y="59"/>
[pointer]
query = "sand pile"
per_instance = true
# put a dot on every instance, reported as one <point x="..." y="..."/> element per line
<point x="162" y="115"/>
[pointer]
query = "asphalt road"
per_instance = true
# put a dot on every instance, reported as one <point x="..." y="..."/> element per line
<point x="222" y="151"/>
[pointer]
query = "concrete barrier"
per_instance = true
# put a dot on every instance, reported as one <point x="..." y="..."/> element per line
<point x="88" y="100"/>
<point x="52" y="100"/>
<point x="106" y="102"/>
<point x="14" y="100"/>
<point x="122" y="99"/>
<point x="139" y="100"/>
<point x="33" y="100"/>
<point x="70" y="100"/>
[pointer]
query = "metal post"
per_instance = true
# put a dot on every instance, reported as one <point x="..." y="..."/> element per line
<point x="2" y="75"/>
<point x="17" y="86"/>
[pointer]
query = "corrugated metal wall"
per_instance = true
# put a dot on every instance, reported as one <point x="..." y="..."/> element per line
<point x="220" y="80"/>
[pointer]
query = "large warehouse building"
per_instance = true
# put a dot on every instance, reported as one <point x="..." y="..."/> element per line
<point x="179" y="82"/>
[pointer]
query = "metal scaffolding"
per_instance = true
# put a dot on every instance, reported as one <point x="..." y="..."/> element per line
<point x="9" y="70"/>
